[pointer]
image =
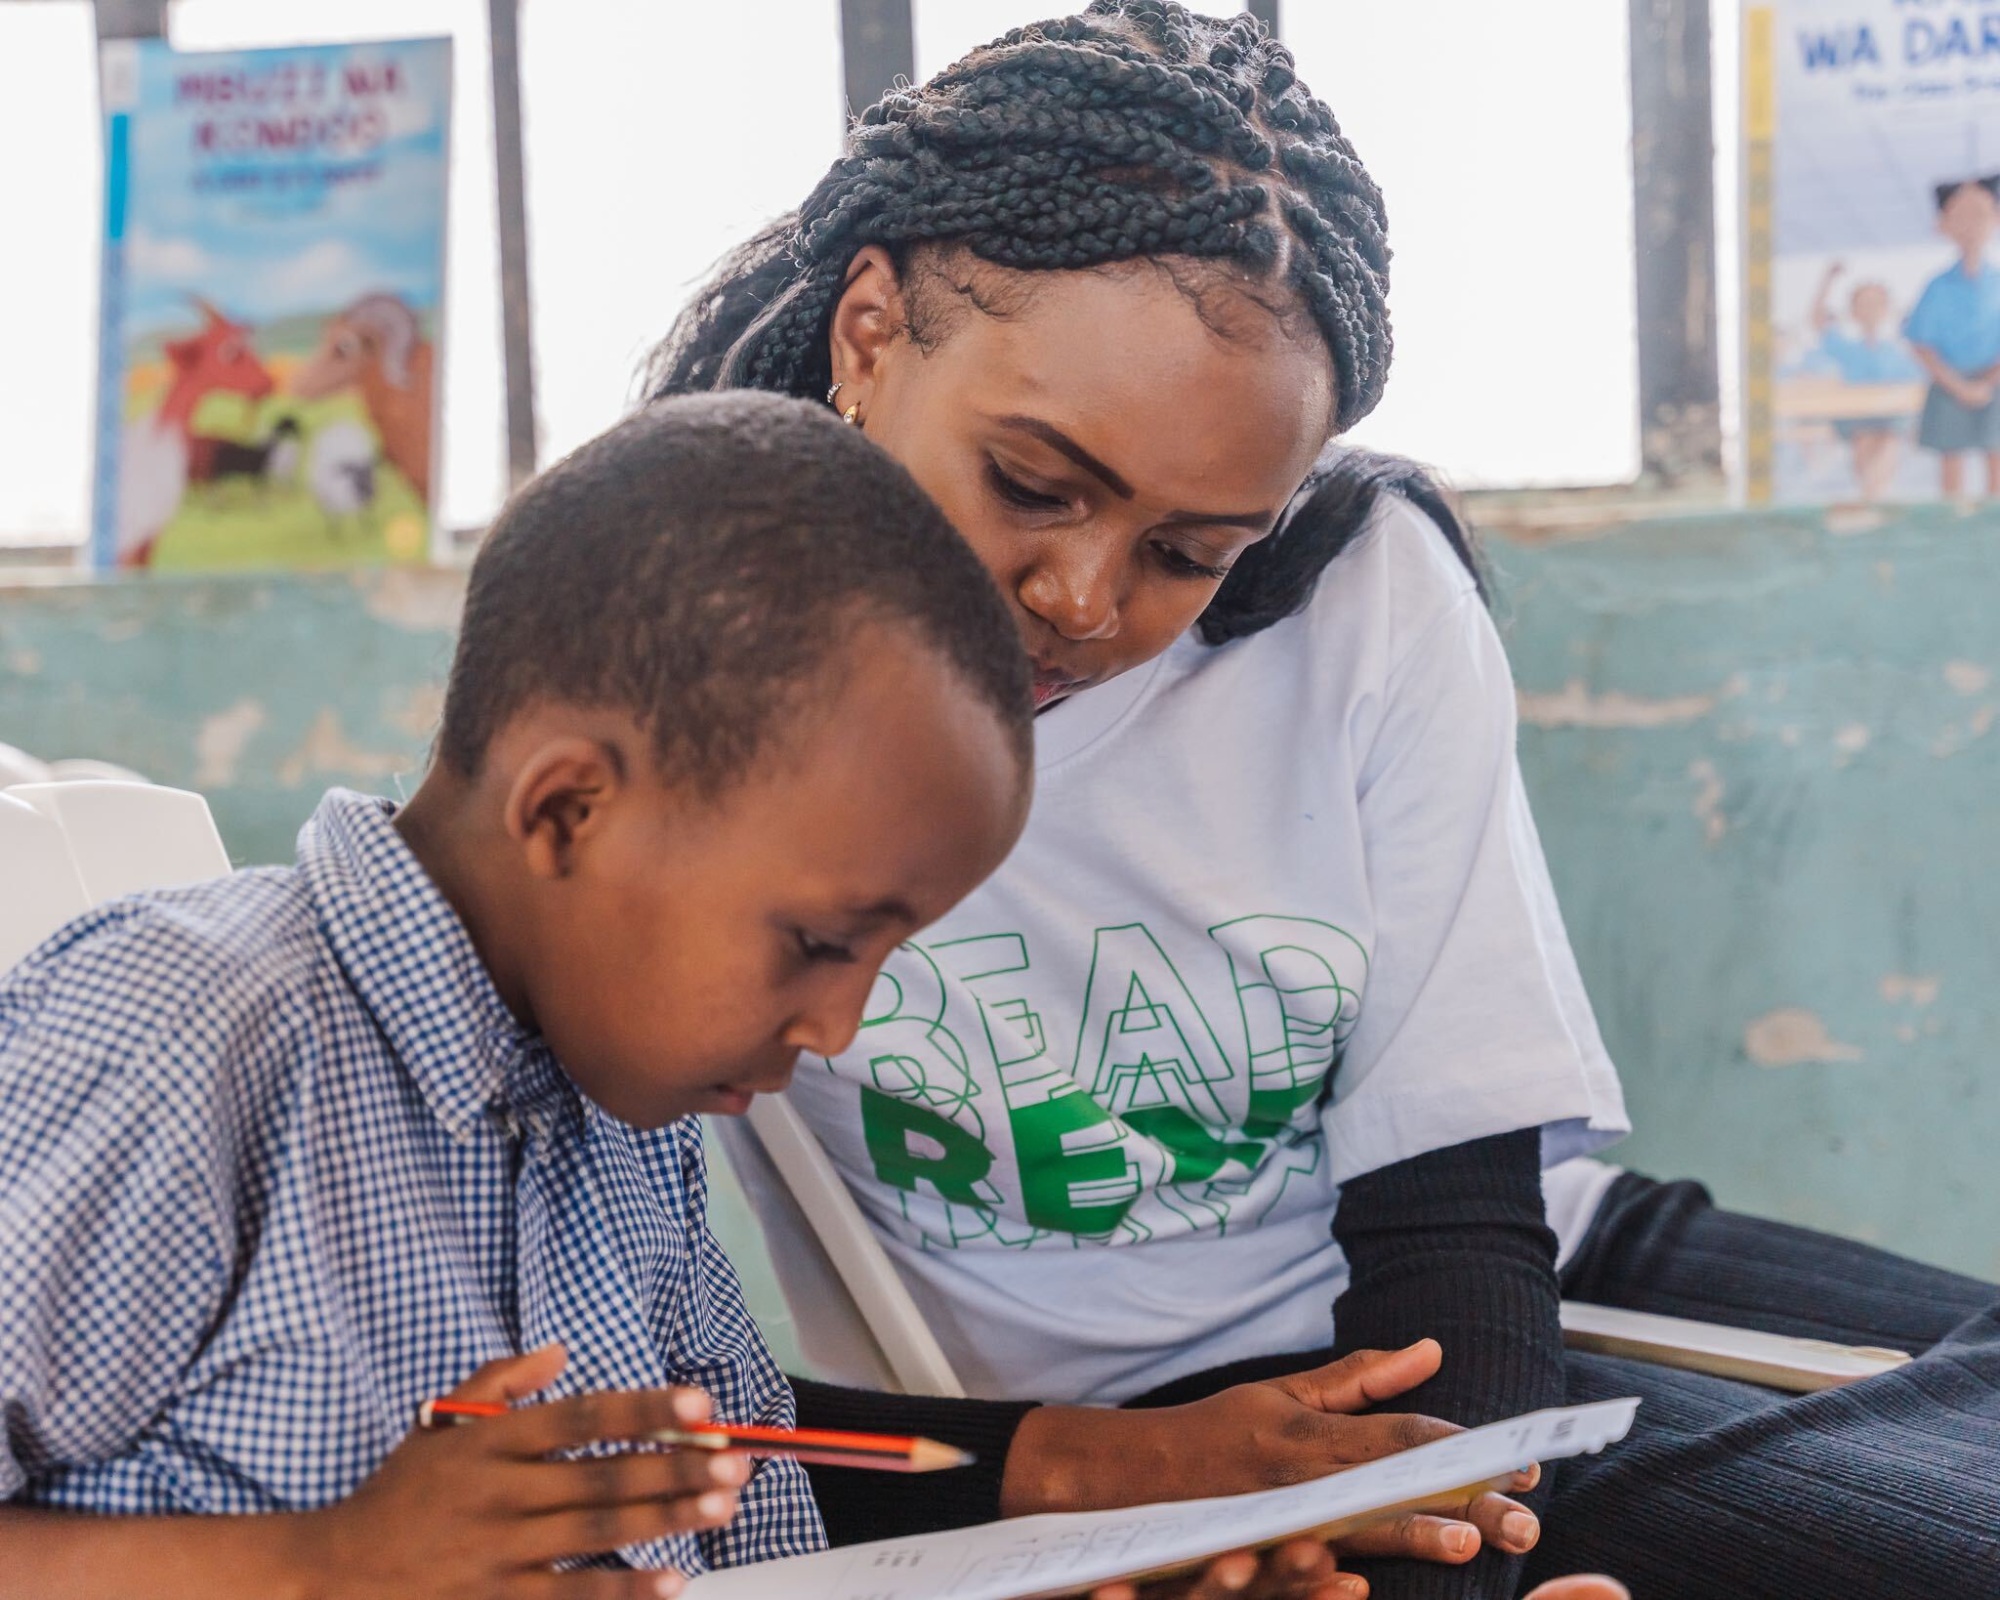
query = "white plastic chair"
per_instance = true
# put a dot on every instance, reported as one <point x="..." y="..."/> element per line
<point x="856" y="1319"/>
<point x="853" y="1313"/>
<point x="17" y="766"/>
<point x="125" y="837"/>
<point x="73" y="769"/>
<point x="43" y="890"/>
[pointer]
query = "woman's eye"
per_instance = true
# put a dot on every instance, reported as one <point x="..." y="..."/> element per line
<point x="1183" y="565"/>
<point x="1015" y="492"/>
<point x="817" y="949"/>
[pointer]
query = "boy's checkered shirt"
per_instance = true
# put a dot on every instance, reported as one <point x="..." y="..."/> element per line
<point x="277" y="1164"/>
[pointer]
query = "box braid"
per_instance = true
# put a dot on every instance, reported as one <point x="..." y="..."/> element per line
<point x="1135" y="129"/>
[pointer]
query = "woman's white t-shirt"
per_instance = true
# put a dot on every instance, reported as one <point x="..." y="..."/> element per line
<point x="1090" y="1112"/>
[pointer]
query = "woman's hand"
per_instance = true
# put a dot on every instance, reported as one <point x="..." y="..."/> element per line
<point x="1259" y="1436"/>
<point x="1303" y="1570"/>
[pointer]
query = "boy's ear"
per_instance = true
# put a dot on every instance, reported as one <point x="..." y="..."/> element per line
<point x="866" y="320"/>
<point x="558" y="799"/>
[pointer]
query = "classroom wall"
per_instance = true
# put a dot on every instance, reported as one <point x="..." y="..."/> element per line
<point x="1762" y="750"/>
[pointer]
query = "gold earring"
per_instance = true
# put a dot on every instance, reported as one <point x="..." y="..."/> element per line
<point x="834" y="391"/>
<point x="852" y="415"/>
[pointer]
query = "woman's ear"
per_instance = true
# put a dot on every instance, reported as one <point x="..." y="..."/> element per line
<point x="556" y="805"/>
<point x="866" y="320"/>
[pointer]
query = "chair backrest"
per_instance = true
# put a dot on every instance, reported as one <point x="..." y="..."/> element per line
<point x="43" y="890"/>
<point x="17" y="766"/>
<point x="855" y="1318"/>
<point x="125" y="837"/>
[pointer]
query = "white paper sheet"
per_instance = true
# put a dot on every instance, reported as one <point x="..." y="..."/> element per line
<point x="1034" y="1555"/>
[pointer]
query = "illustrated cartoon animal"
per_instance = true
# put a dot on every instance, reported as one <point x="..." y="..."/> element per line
<point x="153" y="452"/>
<point x="377" y="347"/>
<point x="340" y="471"/>
<point x="274" y="459"/>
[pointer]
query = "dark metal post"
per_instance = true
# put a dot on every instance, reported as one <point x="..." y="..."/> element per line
<point x="1266" y="12"/>
<point x="131" y="19"/>
<point x="1673" y="207"/>
<point x="878" y="44"/>
<point x="516" y="325"/>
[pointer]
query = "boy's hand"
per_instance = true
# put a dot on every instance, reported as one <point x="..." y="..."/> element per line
<point x="1259" y="1436"/>
<point x="481" y="1511"/>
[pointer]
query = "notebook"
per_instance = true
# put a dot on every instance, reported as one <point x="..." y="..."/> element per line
<point x="1069" y="1552"/>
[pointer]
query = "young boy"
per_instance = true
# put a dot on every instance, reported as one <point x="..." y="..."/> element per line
<point x="733" y="713"/>
<point x="1871" y="356"/>
<point x="1954" y="332"/>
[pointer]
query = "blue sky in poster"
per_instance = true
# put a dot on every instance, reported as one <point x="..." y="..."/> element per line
<point x="350" y="201"/>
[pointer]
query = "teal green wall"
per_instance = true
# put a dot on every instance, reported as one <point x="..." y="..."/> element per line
<point x="1762" y="751"/>
<point x="1763" y="756"/>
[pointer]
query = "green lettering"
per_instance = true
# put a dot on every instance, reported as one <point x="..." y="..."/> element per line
<point x="889" y="1126"/>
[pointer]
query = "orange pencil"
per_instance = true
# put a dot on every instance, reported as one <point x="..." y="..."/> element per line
<point x="880" y="1451"/>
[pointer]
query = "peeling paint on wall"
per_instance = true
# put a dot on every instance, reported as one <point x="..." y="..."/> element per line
<point x="1792" y="1037"/>
<point x="1574" y="706"/>
<point x="421" y="599"/>
<point x="1708" y="800"/>
<point x="1967" y="677"/>
<point x="1900" y="987"/>
<point x="327" y="749"/>
<point x="220" y="741"/>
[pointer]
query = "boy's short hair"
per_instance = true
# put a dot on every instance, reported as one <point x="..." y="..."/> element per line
<point x="702" y="565"/>
<point x="1944" y="191"/>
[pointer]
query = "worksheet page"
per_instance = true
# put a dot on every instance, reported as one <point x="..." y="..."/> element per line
<point x="1063" y="1552"/>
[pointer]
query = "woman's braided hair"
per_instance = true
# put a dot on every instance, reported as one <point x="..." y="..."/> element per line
<point x="1136" y="129"/>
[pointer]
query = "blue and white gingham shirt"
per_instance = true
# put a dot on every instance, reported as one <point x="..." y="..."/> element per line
<point x="276" y="1164"/>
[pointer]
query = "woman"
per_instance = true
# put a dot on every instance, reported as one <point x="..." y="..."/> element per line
<point x="1278" y="953"/>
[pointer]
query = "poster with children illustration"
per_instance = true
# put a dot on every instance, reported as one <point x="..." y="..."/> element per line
<point x="1872" y="278"/>
<point x="273" y="276"/>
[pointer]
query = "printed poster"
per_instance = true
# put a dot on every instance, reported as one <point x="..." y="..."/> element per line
<point x="273" y="286"/>
<point x="1872" y="205"/>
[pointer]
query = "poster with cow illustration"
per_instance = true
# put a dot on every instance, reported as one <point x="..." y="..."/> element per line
<point x="273" y="286"/>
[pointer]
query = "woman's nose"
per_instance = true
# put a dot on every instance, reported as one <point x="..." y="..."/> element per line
<point x="1077" y="598"/>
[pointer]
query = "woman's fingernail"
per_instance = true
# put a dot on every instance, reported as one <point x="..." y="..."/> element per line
<point x="1461" y="1540"/>
<point x="1520" y="1530"/>
<point x="1353" y="1586"/>
<point x="1303" y="1559"/>
<point x="713" y="1505"/>
<point x="1235" y="1575"/>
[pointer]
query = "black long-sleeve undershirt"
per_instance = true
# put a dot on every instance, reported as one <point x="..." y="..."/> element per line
<point x="1451" y="1245"/>
<point x="1454" y="1246"/>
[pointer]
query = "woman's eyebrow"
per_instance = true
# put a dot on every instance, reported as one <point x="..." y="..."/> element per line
<point x="1056" y="439"/>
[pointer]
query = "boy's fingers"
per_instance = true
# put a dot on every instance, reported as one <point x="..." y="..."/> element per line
<point x="604" y="1416"/>
<point x="1366" y="1378"/>
<point x="602" y="1528"/>
<point x="514" y="1377"/>
<point x="1415" y="1536"/>
<point x="623" y="1479"/>
<point x="595" y="1585"/>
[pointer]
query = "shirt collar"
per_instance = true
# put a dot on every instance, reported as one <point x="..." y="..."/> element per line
<point x="413" y="964"/>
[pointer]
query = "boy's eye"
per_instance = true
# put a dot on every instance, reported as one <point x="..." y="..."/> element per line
<point x="814" y="948"/>
<point x="1017" y="493"/>
<point x="1183" y="565"/>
